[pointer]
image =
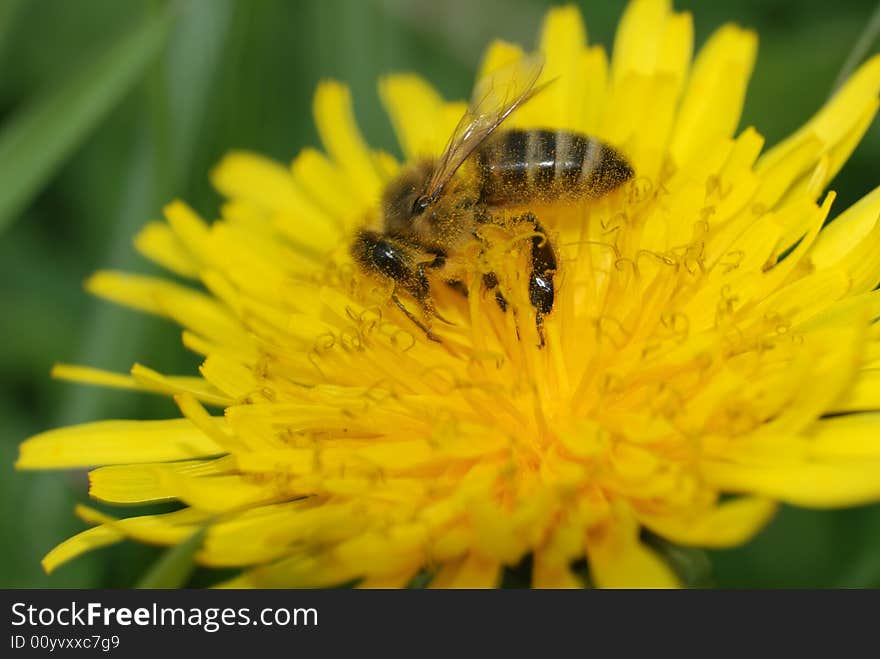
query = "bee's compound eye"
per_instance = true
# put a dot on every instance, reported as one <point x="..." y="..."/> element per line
<point x="420" y="204"/>
<point x="382" y="252"/>
<point x="389" y="260"/>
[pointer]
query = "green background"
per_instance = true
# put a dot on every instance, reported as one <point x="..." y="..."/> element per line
<point x="104" y="117"/>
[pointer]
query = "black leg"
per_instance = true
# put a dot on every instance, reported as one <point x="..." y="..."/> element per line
<point x="418" y="323"/>
<point x="404" y="264"/>
<point x="542" y="289"/>
<point x="490" y="281"/>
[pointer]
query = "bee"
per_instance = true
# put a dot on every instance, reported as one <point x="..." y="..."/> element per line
<point x="434" y="209"/>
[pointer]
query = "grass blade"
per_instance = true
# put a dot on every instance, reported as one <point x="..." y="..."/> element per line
<point x="36" y="141"/>
<point x="859" y="50"/>
<point x="176" y="565"/>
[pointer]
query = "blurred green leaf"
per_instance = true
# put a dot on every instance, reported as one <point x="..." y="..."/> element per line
<point x="8" y="14"/>
<point x="194" y="58"/>
<point x="41" y="135"/>
<point x="798" y="549"/>
<point x="176" y="565"/>
<point x="111" y="336"/>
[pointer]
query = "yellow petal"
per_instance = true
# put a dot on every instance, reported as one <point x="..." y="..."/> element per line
<point x="142" y="379"/>
<point x="862" y="263"/>
<point x="777" y="176"/>
<point x="395" y="580"/>
<point x="334" y="118"/>
<point x="296" y="572"/>
<point x="833" y="157"/>
<point x="855" y="308"/>
<point x="474" y="571"/>
<point x="715" y="93"/>
<point x="222" y="493"/>
<point x="553" y="575"/>
<point x="190" y="229"/>
<point x="811" y="484"/>
<point x="229" y="375"/>
<point x="270" y="532"/>
<point x="115" y="442"/>
<point x="170" y="385"/>
<point x="847" y="436"/>
<point x="213" y="427"/>
<point x="551" y="567"/>
<point x="726" y="525"/>
<point x="846" y="231"/>
<point x="618" y="559"/>
<point x="193" y="310"/>
<point x="831" y="368"/>
<point x="390" y="551"/>
<point x="81" y="543"/>
<point x="810" y="221"/>
<point x="639" y="36"/>
<point x="498" y="55"/>
<point x="864" y="395"/>
<point x="158" y="243"/>
<point x="652" y="40"/>
<point x="652" y="129"/>
<point x="268" y="186"/>
<point x="166" y="529"/>
<point x="96" y="376"/>
<point x="173" y="528"/>
<point x="312" y="229"/>
<point x="256" y="179"/>
<point x="594" y="63"/>
<point x="563" y="39"/>
<point x="142" y="483"/>
<point x="797" y="302"/>
<point x="840" y="151"/>
<point x="415" y="109"/>
<point x="321" y="180"/>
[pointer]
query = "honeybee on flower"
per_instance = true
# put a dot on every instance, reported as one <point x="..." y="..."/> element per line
<point x="430" y="215"/>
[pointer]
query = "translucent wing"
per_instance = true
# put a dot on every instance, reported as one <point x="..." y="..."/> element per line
<point x="495" y="97"/>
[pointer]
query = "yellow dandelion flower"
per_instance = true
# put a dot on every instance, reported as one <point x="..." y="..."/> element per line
<point x="710" y="350"/>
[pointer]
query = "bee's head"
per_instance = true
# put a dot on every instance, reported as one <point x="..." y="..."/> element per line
<point x="432" y="221"/>
<point x="404" y="199"/>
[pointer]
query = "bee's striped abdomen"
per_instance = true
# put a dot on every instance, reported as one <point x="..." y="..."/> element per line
<point x="518" y="166"/>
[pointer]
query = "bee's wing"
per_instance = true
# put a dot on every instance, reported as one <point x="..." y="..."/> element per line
<point x="495" y="97"/>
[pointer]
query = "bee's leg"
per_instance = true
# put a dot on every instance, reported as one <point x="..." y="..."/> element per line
<point x="421" y="290"/>
<point x="490" y="281"/>
<point x="399" y="262"/>
<point x="419" y="287"/>
<point x="539" y="325"/>
<point x="542" y="291"/>
<point x="418" y="323"/>
<point x="458" y="286"/>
